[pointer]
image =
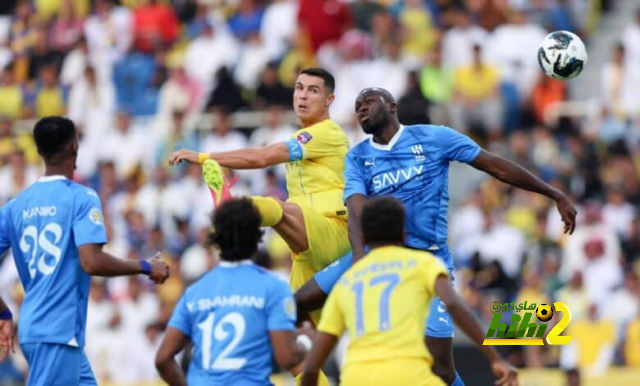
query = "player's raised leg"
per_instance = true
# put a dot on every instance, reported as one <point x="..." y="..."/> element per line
<point x="285" y="218"/>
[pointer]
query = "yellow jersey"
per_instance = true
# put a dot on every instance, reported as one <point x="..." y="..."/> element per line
<point x="383" y="301"/>
<point x="316" y="166"/>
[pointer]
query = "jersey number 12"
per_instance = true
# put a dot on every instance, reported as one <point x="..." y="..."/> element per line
<point x="222" y="362"/>
<point x="390" y="280"/>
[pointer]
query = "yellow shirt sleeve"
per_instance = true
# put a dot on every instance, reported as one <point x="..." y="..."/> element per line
<point x="320" y="140"/>
<point x="430" y="268"/>
<point x="332" y="321"/>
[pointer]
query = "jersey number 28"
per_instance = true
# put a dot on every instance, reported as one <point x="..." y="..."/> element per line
<point x="40" y="245"/>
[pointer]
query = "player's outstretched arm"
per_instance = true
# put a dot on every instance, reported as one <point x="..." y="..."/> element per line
<point x="515" y="175"/>
<point x="322" y="346"/>
<point x="464" y="318"/>
<point x="354" y="209"/>
<point x="249" y="158"/>
<point x="95" y="262"/>
<point x="173" y="342"/>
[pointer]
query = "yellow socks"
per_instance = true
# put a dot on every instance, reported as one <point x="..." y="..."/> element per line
<point x="270" y="210"/>
<point x="322" y="379"/>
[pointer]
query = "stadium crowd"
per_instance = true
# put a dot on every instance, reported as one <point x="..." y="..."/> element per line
<point x="137" y="75"/>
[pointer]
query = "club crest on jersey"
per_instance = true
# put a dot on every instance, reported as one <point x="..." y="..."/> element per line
<point x="95" y="216"/>
<point x="417" y="150"/>
<point x="290" y="308"/>
<point x="304" y="137"/>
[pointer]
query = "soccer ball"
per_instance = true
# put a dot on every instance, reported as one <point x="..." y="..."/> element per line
<point x="544" y="312"/>
<point x="562" y="55"/>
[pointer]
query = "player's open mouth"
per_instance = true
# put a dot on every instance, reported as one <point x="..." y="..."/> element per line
<point x="363" y="118"/>
<point x="302" y="107"/>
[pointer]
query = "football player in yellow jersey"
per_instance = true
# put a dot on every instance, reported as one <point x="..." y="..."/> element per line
<point x="383" y="301"/>
<point x="313" y="221"/>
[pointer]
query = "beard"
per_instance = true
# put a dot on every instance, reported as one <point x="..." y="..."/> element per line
<point x="374" y="126"/>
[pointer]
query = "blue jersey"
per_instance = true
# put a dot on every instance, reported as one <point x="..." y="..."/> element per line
<point x="414" y="168"/>
<point x="44" y="226"/>
<point x="228" y="314"/>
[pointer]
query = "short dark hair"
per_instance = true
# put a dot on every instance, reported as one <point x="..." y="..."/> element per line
<point x="329" y="80"/>
<point x="237" y="230"/>
<point x="52" y="134"/>
<point x="382" y="221"/>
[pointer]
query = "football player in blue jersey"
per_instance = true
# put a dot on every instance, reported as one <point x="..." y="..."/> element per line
<point x="56" y="231"/>
<point x="238" y="316"/>
<point x="411" y="163"/>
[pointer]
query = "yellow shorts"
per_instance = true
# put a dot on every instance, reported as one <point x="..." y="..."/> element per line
<point x="328" y="239"/>
<point x="414" y="372"/>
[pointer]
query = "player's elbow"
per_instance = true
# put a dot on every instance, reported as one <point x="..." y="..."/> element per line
<point x="89" y="260"/>
<point x="288" y="359"/>
<point x="162" y="361"/>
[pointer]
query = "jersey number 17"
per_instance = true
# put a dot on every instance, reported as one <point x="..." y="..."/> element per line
<point x="390" y="281"/>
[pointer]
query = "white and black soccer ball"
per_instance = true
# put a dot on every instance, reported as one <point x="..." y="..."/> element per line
<point x="562" y="55"/>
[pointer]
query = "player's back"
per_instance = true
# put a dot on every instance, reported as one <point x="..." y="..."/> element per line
<point x="383" y="302"/>
<point x="44" y="226"/>
<point x="228" y="314"/>
<point x="315" y="176"/>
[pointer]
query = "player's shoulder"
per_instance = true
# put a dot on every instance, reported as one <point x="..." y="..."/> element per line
<point x="426" y="130"/>
<point x="82" y="192"/>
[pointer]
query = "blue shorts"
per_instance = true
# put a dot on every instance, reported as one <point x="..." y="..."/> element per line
<point x="52" y="364"/>
<point x="438" y="324"/>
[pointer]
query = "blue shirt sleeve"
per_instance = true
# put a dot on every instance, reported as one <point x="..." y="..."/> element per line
<point x="454" y="145"/>
<point x="296" y="151"/>
<point x="5" y="239"/>
<point x="180" y="318"/>
<point x="88" y="221"/>
<point x="354" y="181"/>
<point x="281" y="308"/>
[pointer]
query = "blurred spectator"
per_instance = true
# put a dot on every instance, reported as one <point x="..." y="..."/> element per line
<point x="476" y="101"/>
<point x="92" y="103"/>
<point x="227" y="95"/>
<point x="618" y="213"/>
<point x="253" y="58"/>
<point x="222" y="137"/>
<point x="208" y="53"/>
<point x="68" y="26"/>
<point x="278" y="27"/>
<point x="632" y="344"/>
<point x="124" y="146"/>
<point x="154" y="25"/>
<point x="595" y="340"/>
<point x="22" y="38"/>
<point x="417" y="29"/>
<point x="323" y="21"/>
<point x="271" y="91"/>
<point x="624" y="304"/>
<point x="179" y="137"/>
<point x="436" y="83"/>
<point x="575" y="294"/>
<point x="109" y="30"/>
<point x="458" y="42"/>
<point x="247" y="18"/>
<point x="612" y="79"/>
<point x="198" y="259"/>
<point x="17" y="176"/>
<point x="11" y="95"/>
<point x="11" y="142"/>
<point x="413" y="107"/>
<point x="42" y="56"/>
<point x="546" y="93"/>
<point x="509" y="48"/>
<point x="363" y="11"/>
<point x="49" y="96"/>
